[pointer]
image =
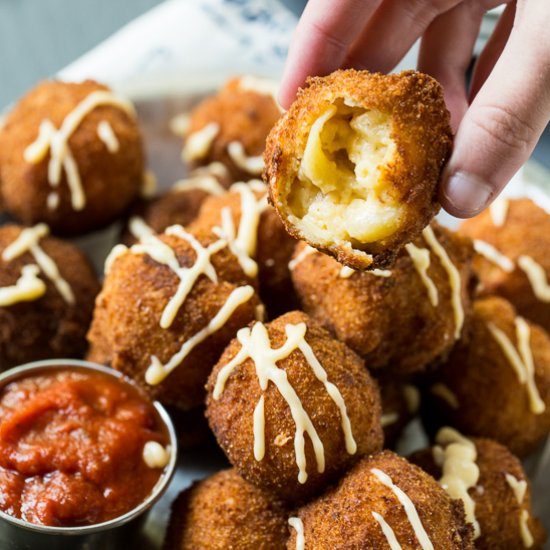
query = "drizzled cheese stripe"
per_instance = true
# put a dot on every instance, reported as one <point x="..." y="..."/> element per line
<point x="157" y="372"/>
<point x="139" y="228"/>
<point x="409" y="507"/>
<point x="255" y="344"/>
<point x="453" y="274"/>
<point x="445" y="393"/>
<point x="29" y="241"/>
<point x="457" y="457"/>
<point x="107" y="135"/>
<point x="253" y="165"/>
<point x="304" y="253"/>
<point x="298" y="526"/>
<point x="199" y="143"/>
<point x="536" y="275"/>
<point x="388" y="532"/>
<point x="489" y="252"/>
<point x="56" y="141"/>
<point x="165" y="255"/>
<point x="421" y="260"/>
<point x="522" y="362"/>
<point x="498" y="211"/>
<point x="204" y="182"/>
<point x="519" y="488"/>
<point x="27" y="288"/>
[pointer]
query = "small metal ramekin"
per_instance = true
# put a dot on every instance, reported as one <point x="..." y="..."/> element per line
<point x="120" y="532"/>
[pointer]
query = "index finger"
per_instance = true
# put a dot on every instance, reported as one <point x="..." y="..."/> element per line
<point x="322" y="39"/>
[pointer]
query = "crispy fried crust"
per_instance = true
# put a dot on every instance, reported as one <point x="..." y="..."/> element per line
<point x="492" y="402"/>
<point x="497" y="509"/>
<point x="274" y="248"/>
<point x="388" y="320"/>
<point x="526" y="231"/>
<point x="125" y="332"/>
<point x="243" y="115"/>
<point x="422" y="134"/>
<point x="225" y="512"/>
<point x="342" y="518"/>
<point x="48" y="327"/>
<point x="110" y="181"/>
<point x="231" y="416"/>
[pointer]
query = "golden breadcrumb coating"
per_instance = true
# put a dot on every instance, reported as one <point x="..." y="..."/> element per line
<point x="484" y="396"/>
<point x="496" y="506"/>
<point x="354" y="164"/>
<point x="231" y="415"/>
<point x="225" y="512"/>
<point x="343" y="517"/>
<point x="110" y="181"/>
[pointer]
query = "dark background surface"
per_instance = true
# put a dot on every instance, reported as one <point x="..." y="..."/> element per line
<point x="39" y="37"/>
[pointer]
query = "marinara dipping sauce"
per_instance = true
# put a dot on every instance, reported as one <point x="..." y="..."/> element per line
<point x="77" y="447"/>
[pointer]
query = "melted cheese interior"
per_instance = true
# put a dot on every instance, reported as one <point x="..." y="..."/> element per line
<point x="340" y="194"/>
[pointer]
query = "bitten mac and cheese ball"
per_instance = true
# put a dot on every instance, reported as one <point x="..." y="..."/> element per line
<point x="353" y="166"/>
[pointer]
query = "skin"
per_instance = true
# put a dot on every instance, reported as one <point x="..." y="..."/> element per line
<point x="497" y="123"/>
<point x="495" y="503"/>
<point x="420" y="131"/>
<point x="388" y="320"/>
<point x="491" y="401"/>
<point x="48" y="327"/>
<point x="526" y="231"/>
<point x="342" y="518"/>
<point x="224" y="511"/>
<point x="111" y="181"/>
<point x="125" y="331"/>
<point x="231" y="416"/>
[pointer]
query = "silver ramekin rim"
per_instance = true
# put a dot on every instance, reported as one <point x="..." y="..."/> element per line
<point x="16" y="373"/>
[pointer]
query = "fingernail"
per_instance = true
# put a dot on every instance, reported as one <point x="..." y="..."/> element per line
<point x="465" y="195"/>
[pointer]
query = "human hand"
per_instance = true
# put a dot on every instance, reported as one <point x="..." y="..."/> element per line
<point x="497" y="124"/>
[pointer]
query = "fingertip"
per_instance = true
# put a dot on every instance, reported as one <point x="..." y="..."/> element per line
<point x="465" y="195"/>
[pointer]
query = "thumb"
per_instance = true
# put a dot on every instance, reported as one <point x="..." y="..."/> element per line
<point x="504" y="122"/>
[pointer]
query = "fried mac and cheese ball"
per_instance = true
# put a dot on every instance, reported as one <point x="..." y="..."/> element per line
<point x="225" y="511"/>
<point x="400" y="320"/>
<point x="493" y="486"/>
<point x="354" y="164"/>
<point x="291" y="407"/>
<point x="383" y="502"/>
<point x="71" y="155"/>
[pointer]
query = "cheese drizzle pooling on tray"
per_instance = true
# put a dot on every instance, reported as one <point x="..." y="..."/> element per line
<point x="255" y="345"/>
<point x="519" y="488"/>
<point x="29" y="241"/>
<point x="521" y="359"/>
<point x="410" y="510"/>
<point x="457" y="455"/>
<point x="56" y="142"/>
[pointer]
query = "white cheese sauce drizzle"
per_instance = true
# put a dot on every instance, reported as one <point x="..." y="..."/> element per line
<point x="421" y="260"/>
<point x="489" y="252"/>
<point x="409" y="507"/>
<point x="298" y="526"/>
<point x="536" y="275"/>
<point x="452" y="273"/>
<point x="444" y="392"/>
<point x="198" y="144"/>
<point x="498" y="211"/>
<point x="107" y="135"/>
<point x="521" y="360"/>
<point x="519" y="488"/>
<point x="27" y="288"/>
<point x="457" y="455"/>
<point x="56" y="142"/>
<point x="252" y="164"/>
<point x="255" y="344"/>
<point x="29" y="241"/>
<point x="388" y="531"/>
<point x="139" y="228"/>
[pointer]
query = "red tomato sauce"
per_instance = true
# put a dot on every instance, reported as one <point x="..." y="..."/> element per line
<point x="71" y="447"/>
